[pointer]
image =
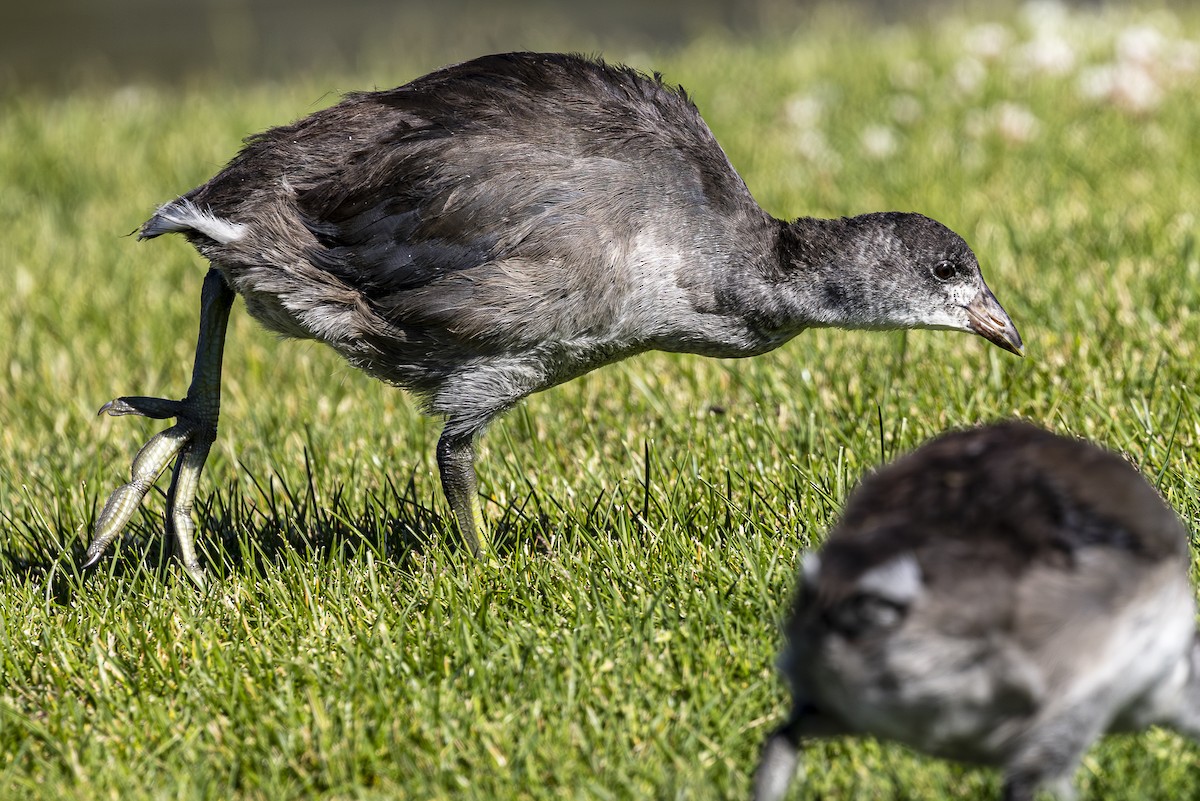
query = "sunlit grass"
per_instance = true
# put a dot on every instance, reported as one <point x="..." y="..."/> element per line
<point x="650" y="515"/>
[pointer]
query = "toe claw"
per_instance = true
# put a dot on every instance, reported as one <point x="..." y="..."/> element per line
<point x="156" y="408"/>
<point x="196" y="574"/>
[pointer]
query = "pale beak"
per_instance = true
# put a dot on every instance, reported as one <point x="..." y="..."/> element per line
<point x="990" y="321"/>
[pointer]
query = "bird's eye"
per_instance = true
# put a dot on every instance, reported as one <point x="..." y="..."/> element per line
<point x="944" y="270"/>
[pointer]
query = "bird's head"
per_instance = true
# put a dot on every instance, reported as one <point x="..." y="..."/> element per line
<point x="897" y="270"/>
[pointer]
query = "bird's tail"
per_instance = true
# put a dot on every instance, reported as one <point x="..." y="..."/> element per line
<point x="183" y="216"/>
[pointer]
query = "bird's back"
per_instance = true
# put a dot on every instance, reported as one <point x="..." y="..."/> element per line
<point x="511" y="202"/>
<point x="524" y="112"/>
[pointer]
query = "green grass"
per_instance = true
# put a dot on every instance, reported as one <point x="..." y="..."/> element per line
<point x="651" y="514"/>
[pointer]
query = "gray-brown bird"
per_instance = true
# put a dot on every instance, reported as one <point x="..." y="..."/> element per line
<point x="1001" y="596"/>
<point x="501" y="226"/>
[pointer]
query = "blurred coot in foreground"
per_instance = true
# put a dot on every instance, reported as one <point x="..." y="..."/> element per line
<point x="1000" y="596"/>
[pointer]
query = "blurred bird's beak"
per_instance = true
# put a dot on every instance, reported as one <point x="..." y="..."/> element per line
<point x="990" y="321"/>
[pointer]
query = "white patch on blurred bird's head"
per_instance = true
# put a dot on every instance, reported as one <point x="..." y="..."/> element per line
<point x="896" y="580"/>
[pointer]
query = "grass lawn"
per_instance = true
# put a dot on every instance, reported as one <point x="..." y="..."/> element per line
<point x="650" y="514"/>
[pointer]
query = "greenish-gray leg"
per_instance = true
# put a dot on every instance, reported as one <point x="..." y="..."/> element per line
<point x="189" y="439"/>
<point x="456" y="463"/>
<point x="184" y="482"/>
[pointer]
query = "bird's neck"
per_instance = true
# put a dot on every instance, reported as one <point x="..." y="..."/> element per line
<point x="802" y="282"/>
<point x="793" y="276"/>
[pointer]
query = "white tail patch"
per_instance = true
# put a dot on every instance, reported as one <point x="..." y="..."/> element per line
<point x="184" y="215"/>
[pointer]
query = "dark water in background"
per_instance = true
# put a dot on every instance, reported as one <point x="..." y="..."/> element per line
<point x="60" y="45"/>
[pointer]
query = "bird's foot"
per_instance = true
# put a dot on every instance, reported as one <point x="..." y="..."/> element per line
<point x="188" y="442"/>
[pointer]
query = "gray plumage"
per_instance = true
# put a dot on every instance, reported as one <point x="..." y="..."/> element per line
<point x="1001" y="596"/>
<point x="501" y="226"/>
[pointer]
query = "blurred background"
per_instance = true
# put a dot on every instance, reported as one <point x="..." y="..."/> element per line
<point x="62" y="45"/>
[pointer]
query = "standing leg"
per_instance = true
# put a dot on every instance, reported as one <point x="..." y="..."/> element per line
<point x="190" y="438"/>
<point x="456" y="463"/>
<point x="1047" y="760"/>
<point x="777" y="765"/>
<point x="1179" y="698"/>
<point x="1025" y="787"/>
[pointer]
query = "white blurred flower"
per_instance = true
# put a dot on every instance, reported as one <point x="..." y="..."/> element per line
<point x="969" y="74"/>
<point x="906" y="109"/>
<point x="1136" y="90"/>
<point x="1129" y="87"/>
<point x="879" y="141"/>
<point x="1184" y="58"/>
<point x="804" y="111"/>
<point x="812" y="145"/>
<point x="1046" y="55"/>
<point x="130" y="97"/>
<point x="977" y="123"/>
<point x="988" y="41"/>
<point x="1140" y="44"/>
<point x="1096" y="83"/>
<point x="910" y="75"/>
<point x="1044" y="17"/>
<point x="1015" y="123"/>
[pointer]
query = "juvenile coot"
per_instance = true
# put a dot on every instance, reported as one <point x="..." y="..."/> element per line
<point x="1001" y="596"/>
<point x="503" y="225"/>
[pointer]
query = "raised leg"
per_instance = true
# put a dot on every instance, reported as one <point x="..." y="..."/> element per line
<point x="189" y="439"/>
<point x="777" y="765"/>
<point x="781" y="752"/>
<point x="456" y="463"/>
